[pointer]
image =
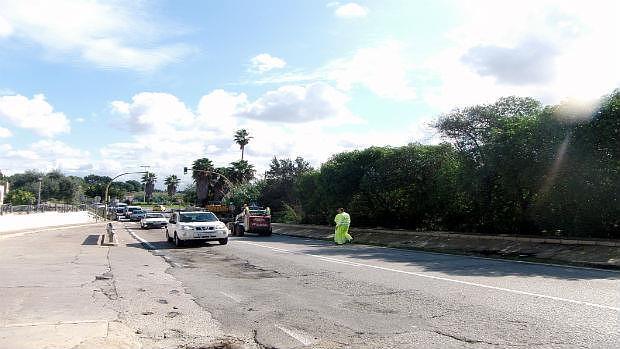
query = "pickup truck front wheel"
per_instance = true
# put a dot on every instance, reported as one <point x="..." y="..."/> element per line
<point x="223" y="241"/>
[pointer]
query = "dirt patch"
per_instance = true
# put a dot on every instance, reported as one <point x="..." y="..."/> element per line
<point x="233" y="267"/>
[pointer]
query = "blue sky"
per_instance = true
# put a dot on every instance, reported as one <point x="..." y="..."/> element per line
<point x="103" y="87"/>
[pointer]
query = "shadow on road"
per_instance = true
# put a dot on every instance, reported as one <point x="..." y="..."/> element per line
<point x="164" y="245"/>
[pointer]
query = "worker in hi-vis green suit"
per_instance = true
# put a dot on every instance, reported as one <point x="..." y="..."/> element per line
<point x="343" y="220"/>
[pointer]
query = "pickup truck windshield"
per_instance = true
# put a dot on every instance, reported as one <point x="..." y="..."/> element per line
<point x="155" y="215"/>
<point x="197" y="217"/>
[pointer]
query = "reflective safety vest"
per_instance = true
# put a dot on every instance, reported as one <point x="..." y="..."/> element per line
<point x="342" y="219"/>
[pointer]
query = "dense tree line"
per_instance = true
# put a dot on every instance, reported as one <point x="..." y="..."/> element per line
<point x="513" y="166"/>
<point x="56" y="187"/>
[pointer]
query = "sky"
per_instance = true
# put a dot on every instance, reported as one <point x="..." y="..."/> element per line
<point x="105" y="87"/>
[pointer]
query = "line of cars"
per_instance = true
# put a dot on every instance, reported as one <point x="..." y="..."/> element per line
<point x="196" y="226"/>
<point x="147" y="219"/>
<point x="181" y="226"/>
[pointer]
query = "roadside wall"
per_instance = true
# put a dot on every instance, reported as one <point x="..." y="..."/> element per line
<point x="16" y="222"/>
<point x="598" y="253"/>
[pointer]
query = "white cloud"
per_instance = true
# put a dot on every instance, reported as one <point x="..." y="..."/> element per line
<point x="34" y="114"/>
<point x="109" y="34"/>
<point x="528" y="62"/>
<point x="5" y="132"/>
<point x="298" y="104"/>
<point x="80" y="120"/>
<point x="6" y="92"/>
<point x="217" y="110"/>
<point x="550" y="50"/>
<point x="45" y="155"/>
<point x="384" y="69"/>
<point x="351" y="10"/>
<point x="265" y="62"/>
<point x="153" y="112"/>
<point x="5" y="28"/>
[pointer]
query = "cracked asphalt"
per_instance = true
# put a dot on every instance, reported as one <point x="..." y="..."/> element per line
<point x="285" y="292"/>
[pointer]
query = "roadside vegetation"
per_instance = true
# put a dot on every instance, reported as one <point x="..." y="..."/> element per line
<point x="511" y="167"/>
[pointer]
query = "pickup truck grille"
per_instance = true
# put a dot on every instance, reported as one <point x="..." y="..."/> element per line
<point x="205" y="228"/>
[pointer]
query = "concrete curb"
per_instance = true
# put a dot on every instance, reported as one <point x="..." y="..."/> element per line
<point x="590" y="242"/>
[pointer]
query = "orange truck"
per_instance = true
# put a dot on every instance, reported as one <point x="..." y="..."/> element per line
<point x="224" y="212"/>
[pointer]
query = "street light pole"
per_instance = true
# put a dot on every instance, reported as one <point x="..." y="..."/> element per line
<point x="145" y="183"/>
<point x="107" y="189"/>
<point x="39" y="195"/>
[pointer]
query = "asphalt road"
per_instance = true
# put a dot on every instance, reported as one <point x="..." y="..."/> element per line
<point x="286" y="292"/>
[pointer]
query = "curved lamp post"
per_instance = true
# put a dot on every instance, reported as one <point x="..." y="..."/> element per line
<point x="107" y="188"/>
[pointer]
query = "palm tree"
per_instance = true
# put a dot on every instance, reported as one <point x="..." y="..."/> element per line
<point x="171" y="183"/>
<point x="202" y="179"/>
<point x="242" y="137"/>
<point x="241" y="171"/>
<point x="149" y="179"/>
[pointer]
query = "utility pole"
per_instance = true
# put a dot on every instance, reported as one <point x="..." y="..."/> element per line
<point x="39" y="195"/>
<point x="146" y="170"/>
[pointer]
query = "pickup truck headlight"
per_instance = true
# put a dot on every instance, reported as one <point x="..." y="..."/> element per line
<point x="186" y="227"/>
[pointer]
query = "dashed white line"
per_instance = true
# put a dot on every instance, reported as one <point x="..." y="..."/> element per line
<point x="356" y="264"/>
<point x="139" y="238"/>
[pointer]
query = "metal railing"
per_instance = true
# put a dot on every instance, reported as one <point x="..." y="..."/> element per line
<point x="97" y="213"/>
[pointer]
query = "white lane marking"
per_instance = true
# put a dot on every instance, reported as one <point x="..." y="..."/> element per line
<point x="139" y="238"/>
<point x="355" y="264"/>
<point x="234" y="298"/>
<point x="297" y="335"/>
<point x="54" y="323"/>
<point x="13" y="235"/>
<point x="153" y="248"/>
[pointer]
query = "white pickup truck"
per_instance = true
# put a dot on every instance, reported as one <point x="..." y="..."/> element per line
<point x="195" y="226"/>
